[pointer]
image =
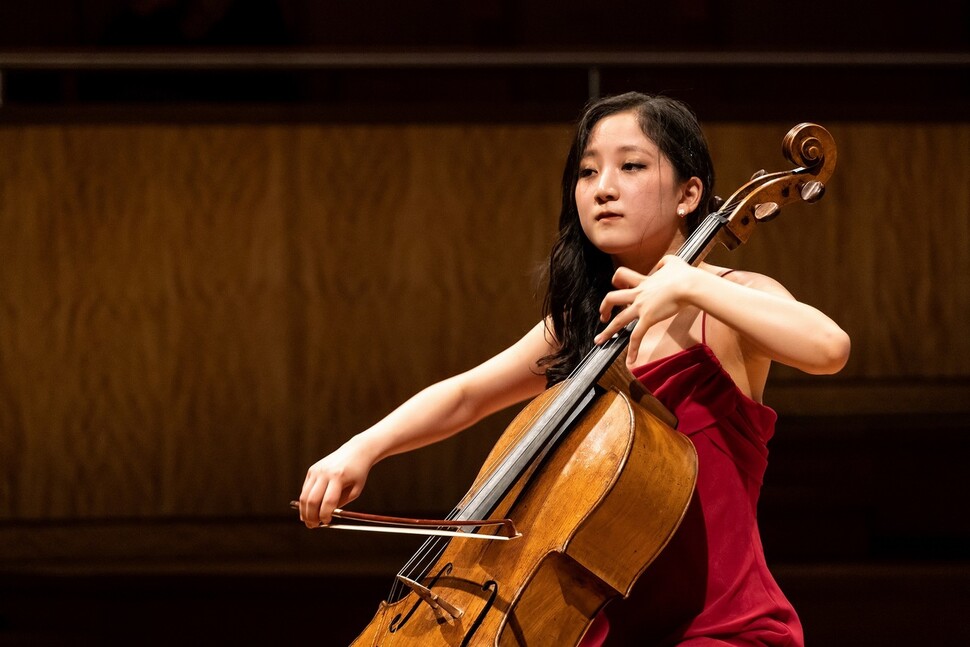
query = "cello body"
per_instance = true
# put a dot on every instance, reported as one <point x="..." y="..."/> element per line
<point x="592" y="517"/>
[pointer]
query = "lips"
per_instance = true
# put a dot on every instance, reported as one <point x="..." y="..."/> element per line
<point x="608" y="215"/>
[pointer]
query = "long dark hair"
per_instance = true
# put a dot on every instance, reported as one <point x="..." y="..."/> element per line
<point x="579" y="274"/>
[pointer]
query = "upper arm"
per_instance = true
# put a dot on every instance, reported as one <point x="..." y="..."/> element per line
<point x="509" y="377"/>
<point x="749" y="345"/>
<point x="786" y="330"/>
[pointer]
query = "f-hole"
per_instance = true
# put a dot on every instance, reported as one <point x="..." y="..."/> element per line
<point x="492" y="586"/>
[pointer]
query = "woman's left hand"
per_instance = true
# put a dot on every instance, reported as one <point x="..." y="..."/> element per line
<point x="648" y="299"/>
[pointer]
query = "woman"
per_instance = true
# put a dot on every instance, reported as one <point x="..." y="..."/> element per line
<point x="637" y="180"/>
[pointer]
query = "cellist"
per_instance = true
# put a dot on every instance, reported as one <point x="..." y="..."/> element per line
<point x="637" y="180"/>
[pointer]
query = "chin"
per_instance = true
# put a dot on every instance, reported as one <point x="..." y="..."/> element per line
<point x="612" y="247"/>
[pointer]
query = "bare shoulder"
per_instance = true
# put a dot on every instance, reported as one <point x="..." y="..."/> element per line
<point x="749" y="279"/>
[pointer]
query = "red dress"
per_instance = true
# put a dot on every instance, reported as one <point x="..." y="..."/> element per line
<point x="711" y="585"/>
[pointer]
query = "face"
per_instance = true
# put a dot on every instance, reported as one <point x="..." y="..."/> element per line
<point x="628" y="194"/>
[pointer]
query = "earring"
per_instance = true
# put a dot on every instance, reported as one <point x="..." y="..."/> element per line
<point x="681" y="212"/>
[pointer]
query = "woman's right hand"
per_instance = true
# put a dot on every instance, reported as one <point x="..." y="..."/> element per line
<point x="334" y="481"/>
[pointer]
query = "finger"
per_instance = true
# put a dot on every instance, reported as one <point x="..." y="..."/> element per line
<point x="636" y="338"/>
<point x="624" y="277"/>
<point x="331" y="500"/>
<point x="615" y="299"/>
<point x="622" y="318"/>
<point x="308" y="484"/>
<point x="311" y="507"/>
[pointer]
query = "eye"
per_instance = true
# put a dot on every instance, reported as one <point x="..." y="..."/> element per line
<point x="586" y="172"/>
<point x="633" y="166"/>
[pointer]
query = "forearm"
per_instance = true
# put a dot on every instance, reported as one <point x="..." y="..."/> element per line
<point x="437" y="412"/>
<point x="433" y="414"/>
<point x="339" y="477"/>
<point x="447" y="407"/>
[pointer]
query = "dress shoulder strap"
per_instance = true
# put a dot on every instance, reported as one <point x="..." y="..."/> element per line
<point x="704" y="314"/>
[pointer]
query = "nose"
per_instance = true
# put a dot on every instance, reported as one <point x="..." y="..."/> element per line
<point x="605" y="187"/>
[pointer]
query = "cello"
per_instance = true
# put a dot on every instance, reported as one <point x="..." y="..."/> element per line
<point x="586" y="486"/>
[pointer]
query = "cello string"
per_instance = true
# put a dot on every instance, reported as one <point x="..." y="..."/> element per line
<point x="418" y="566"/>
<point x="425" y="557"/>
<point x="550" y="417"/>
<point x="522" y="454"/>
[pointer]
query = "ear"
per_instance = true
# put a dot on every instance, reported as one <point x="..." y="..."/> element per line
<point x="691" y="192"/>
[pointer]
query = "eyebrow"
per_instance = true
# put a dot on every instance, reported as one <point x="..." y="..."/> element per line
<point x="628" y="148"/>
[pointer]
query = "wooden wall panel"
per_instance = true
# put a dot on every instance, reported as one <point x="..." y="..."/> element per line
<point x="132" y="256"/>
<point x="190" y="316"/>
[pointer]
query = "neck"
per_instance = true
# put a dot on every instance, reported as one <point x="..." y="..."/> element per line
<point x="645" y="258"/>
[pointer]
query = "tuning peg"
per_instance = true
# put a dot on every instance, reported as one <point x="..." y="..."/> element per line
<point x="766" y="211"/>
<point x="813" y="191"/>
<point x="716" y="202"/>
<point x="757" y="174"/>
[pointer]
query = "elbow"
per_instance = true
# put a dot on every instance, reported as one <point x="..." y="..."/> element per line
<point x="833" y="352"/>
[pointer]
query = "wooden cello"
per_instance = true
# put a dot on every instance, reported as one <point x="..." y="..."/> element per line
<point x="587" y="485"/>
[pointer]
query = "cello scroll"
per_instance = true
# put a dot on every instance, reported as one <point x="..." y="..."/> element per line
<point x="807" y="145"/>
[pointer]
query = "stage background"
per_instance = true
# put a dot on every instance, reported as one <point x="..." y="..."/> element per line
<point x="215" y="270"/>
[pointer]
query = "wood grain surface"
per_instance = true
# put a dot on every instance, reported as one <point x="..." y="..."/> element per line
<point x="191" y="315"/>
